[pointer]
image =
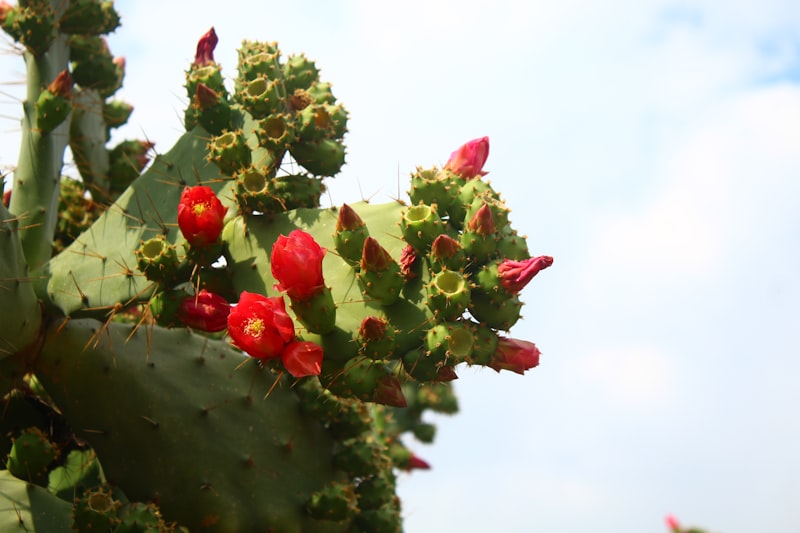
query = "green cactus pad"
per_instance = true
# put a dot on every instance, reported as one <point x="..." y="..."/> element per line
<point x="30" y="508"/>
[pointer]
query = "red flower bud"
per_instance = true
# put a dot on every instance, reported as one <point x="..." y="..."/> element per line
<point x="446" y="373"/>
<point x="375" y="258"/>
<point x="672" y="523"/>
<point x="205" y="49"/>
<point x="417" y="463"/>
<point x="388" y="391"/>
<point x="468" y="160"/>
<point x="348" y="219"/>
<point x="205" y="311"/>
<point x="407" y="259"/>
<point x="302" y="358"/>
<point x="482" y="221"/>
<point x="444" y="247"/>
<point x="62" y="85"/>
<point x="514" y="275"/>
<point x="260" y="326"/>
<point x="205" y="97"/>
<point x="514" y="355"/>
<point x="372" y="328"/>
<point x="297" y="265"/>
<point x="7" y="198"/>
<point x="200" y="215"/>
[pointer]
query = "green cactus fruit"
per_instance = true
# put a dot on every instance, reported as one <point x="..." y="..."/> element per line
<point x="450" y="341"/>
<point x="180" y="408"/>
<point x="116" y="113"/>
<point x="385" y="519"/>
<point x="318" y="313"/>
<point x="432" y="186"/>
<point x="322" y="158"/>
<point x="261" y="96"/>
<point x="424" y="432"/>
<point x="438" y="397"/>
<point x="379" y="276"/>
<point x="351" y="232"/>
<point x="446" y="254"/>
<point x="30" y="508"/>
<point x="254" y="192"/>
<point x="496" y="206"/>
<point x="360" y="456"/>
<point x="320" y="92"/>
<point x="210" y="109"/>
<point x="137" y="517"/>
<point x="465" y="193"/>
<point x="495" y="311"/>
<point x="20" y="313"/>
<point x="33" y="26"/>
<point x="420" y="225"/>
<point x="448" y="295"/>
<point x="101" y="72"/>
<point x="487" y="280"/>
<point x="95" y="510"/>
<point x="229" y="152"/>
<point x="260" y="64"/>
<point x="336" y="502"/>
<point x="484" y="345"/>
<point x="164" y="307"/>
<point x="53" y="106"/>
<point x="299" y="73"/>
<point x="89" y="17"/>
<point x="423" y="365"/>
<point x="75" y="213"/>
<point x="376" y="490"/>
<point x="479" y="238"/>
<point x="84" y="47"/>
<point x="377" y="338"/>
<point x="126" y="161"/>
<point x="209" y="75"/>
<point x="345" y="418"/>
<point x="317" y="121"/>
<point x="276" y="132"/>
<point x="30" y="456"/>
<point x="157" y="259"/>
<point x="512" y="245"/>
<point x="367" y="380"/>
<point x="293" y="191"/>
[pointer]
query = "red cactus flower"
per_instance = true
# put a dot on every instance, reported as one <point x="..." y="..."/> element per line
<point x="514" y="355"/>
<point x="302" y="358"/>
<point x="514" y="275"/>
<point x="297" y="265"/>
<point x="260" y="326"/>
<point x="205" y="49"/>
<point x="205" y="311"/>
<point x="200" y="215"/>
<point x="468" y="160"/>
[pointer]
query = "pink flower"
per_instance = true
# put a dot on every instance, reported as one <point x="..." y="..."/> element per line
<point x="296" y="263"/>
<point x="468" y="160"/>
<point x="672" y="523"/>
<point x="206" y="311"/>
<point x="205" y="49"/>
<point x="514" y="355"/>
<point x="302" y="358"/>
<point x="200" y="215"/>
<point x="260" y="326"/>
<point x="514" y="275"/>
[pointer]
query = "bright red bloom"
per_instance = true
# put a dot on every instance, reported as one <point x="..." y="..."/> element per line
<point x="302" y="358"/>
<point x="297" y="265"/>
<point x="205" y="49"/>
<point x="260" y="326"/>
<point x="200" y="215"/>
<point x="205" y="311"/>
<point x="514" y="275"/>
<point x="514" y="355"/>
<point x="468" y="160"/>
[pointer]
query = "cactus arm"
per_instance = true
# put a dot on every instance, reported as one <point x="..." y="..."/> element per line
<point x="36" y="179"/>
<point x="88" y="139"/>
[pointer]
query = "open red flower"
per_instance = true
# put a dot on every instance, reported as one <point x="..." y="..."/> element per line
<point x="468" y="160"/>
<point x="205" y="311"/>
<point x="200" y="215"/>
<point x="302" y="358"/>
<point x="260" y="325"/>
<point x="297" y="265"/>
<point x="514" y="275"/>
<point x="514" y="355"/>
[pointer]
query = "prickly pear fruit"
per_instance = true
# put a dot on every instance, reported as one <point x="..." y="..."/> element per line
<point x="30" y="456"/>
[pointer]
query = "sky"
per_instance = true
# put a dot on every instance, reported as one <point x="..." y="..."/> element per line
<point x="654" y="151"/>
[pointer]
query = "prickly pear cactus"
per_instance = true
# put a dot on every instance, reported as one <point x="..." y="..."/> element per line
<point x="201" y="346"/>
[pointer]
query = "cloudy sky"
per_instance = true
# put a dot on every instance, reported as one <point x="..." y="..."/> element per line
<point x="652" y="148"/>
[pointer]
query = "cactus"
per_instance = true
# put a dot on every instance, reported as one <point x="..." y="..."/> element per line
<point x="137" y="396"/>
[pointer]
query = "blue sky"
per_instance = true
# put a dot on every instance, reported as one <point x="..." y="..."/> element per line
<point x="654" y="151"/>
